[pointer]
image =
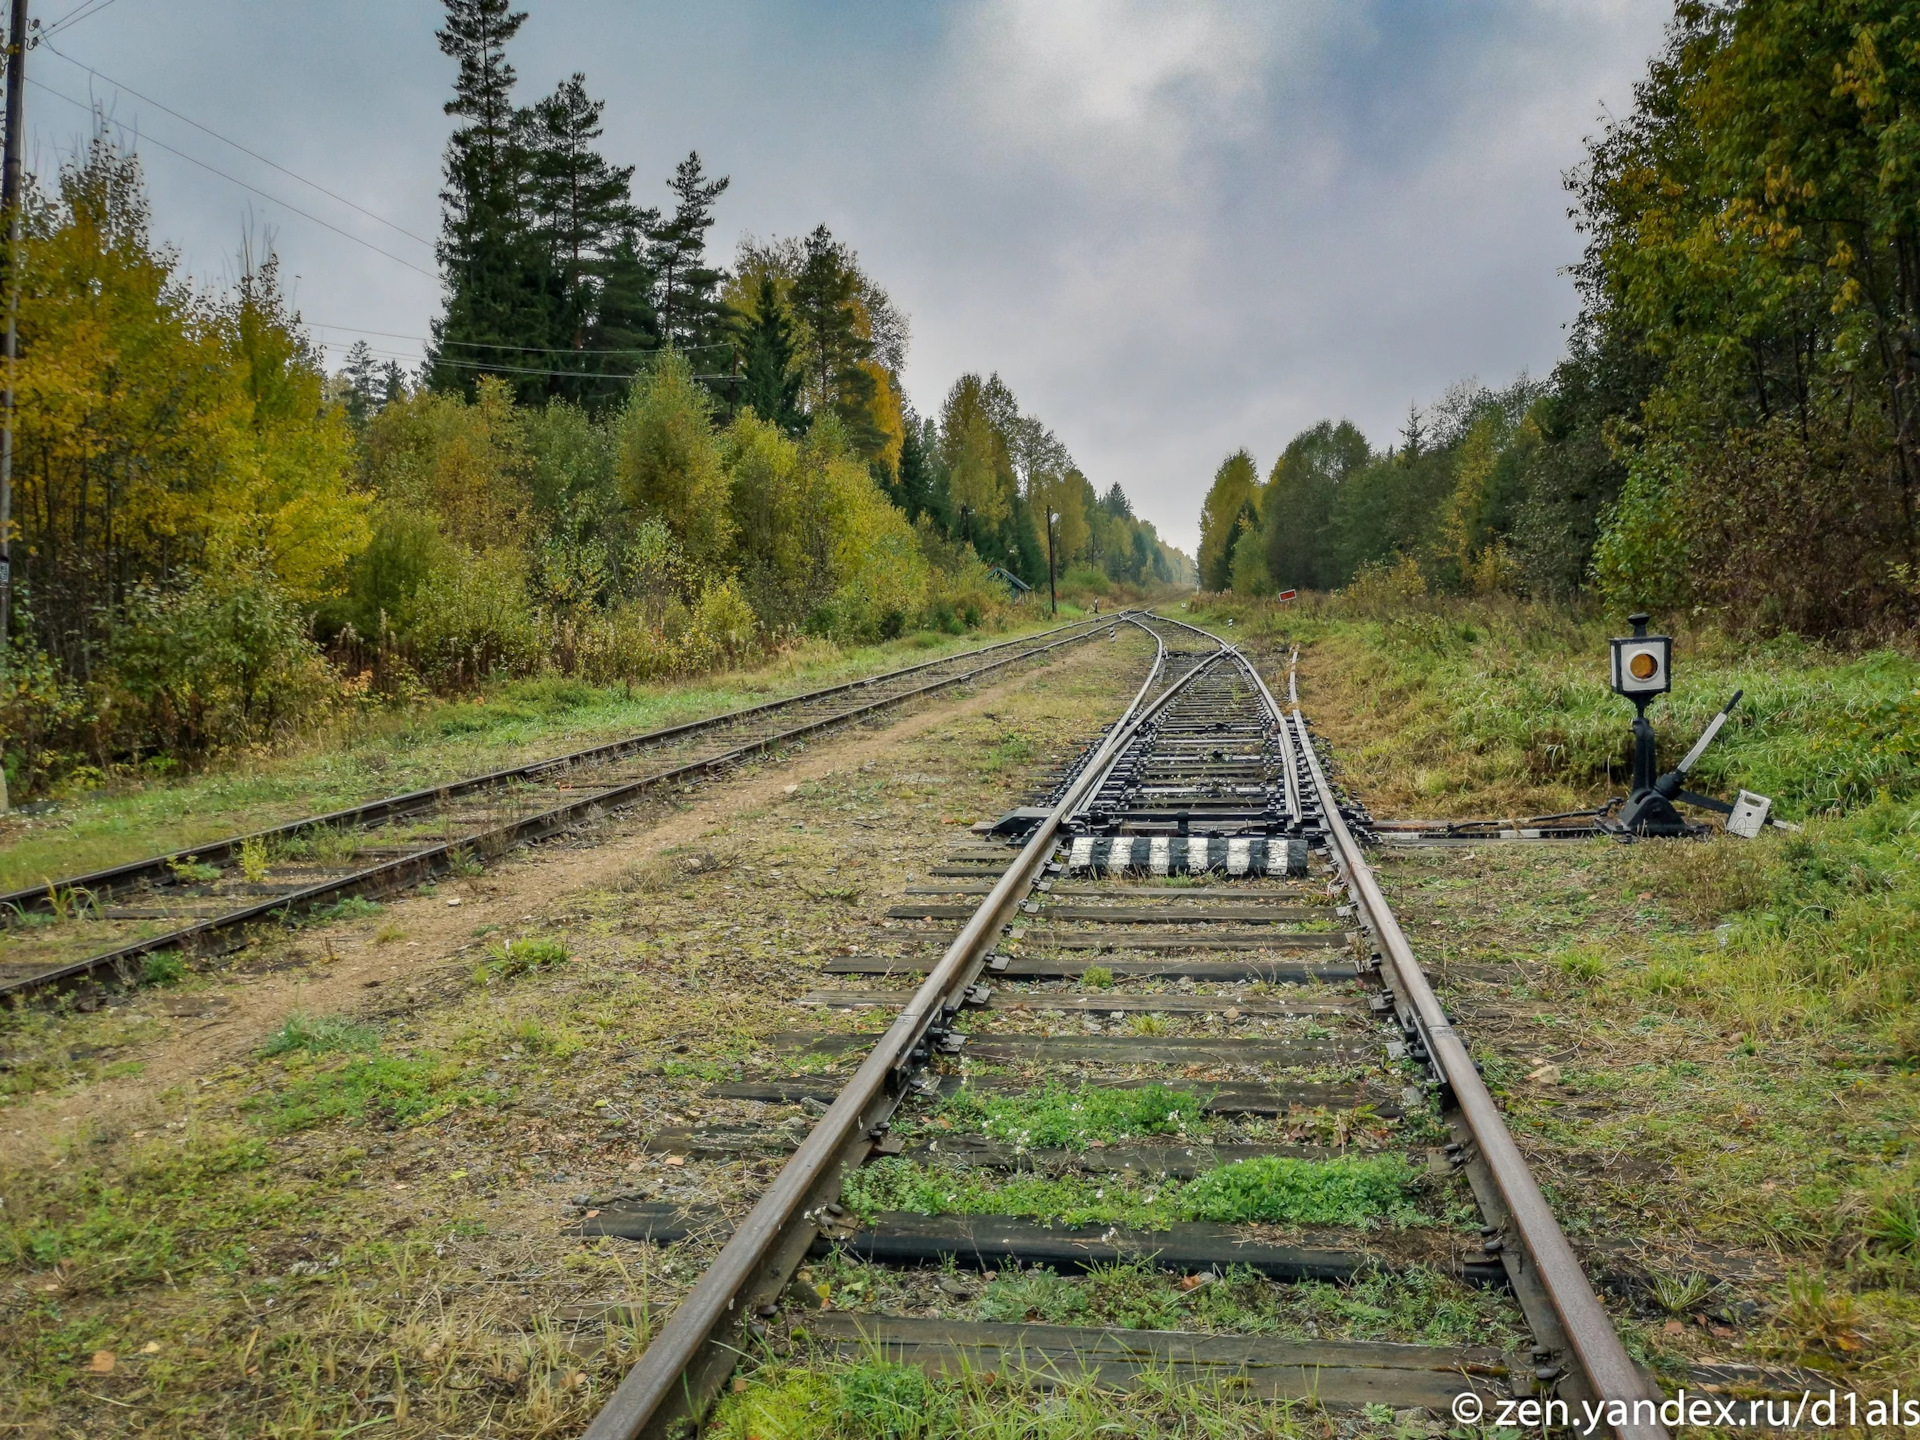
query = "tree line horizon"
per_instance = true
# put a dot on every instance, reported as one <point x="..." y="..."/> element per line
<point x="619" y="461"/>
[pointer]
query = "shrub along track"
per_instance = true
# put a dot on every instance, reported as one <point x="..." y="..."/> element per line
<point x="110" y="923"/>
<point x="1186" y="971"/>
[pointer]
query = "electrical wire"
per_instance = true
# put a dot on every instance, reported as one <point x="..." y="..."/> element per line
<point x="226" y="140"/>
<point x="236" y="180"/>
<point x="489" y="367"/>
<point x="82" y="11"/>
<point x="527" y="349"/>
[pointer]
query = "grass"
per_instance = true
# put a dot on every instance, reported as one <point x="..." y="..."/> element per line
<point x="363" y="1085"/>
<point x="1414" y="1305"/>
<point x="510" y="723"/>
<point x="321" y="1034"/>
<point x="511" y="958"/>
<point x="1352" y="1191"/>
<point x="1461" y="708"/>
<point x="174" y="1211"/>
<point x="872" y="1399"/>
<point x="1058" y="1118"/>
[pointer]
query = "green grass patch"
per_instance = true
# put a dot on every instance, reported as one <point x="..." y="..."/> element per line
<point x="873" y="1399"/>
<point x="511" y="958"/>
<point x="385" y="1091"/>
<point x="175" y="1210"/>
<point x="1349" y="1191"/>
<point x="1356" y="1191"/>
<point x="162" y="967"/>
<point x="1819" y="929"/>
<point x="350" y="907"/>
<point x="321" y="1034"/>
<point x="1411" y="1306"/>
<point x="1058" y="1118"/>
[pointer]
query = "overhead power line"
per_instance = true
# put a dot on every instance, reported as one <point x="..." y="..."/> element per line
<point x="236" y="180"/>
<point x="82" y="11"/>
<point x="244" y="150"/>
<point x="492" y="368"/>
<point x="527" y="349"/>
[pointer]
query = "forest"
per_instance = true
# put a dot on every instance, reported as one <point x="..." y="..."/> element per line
<point x="1731" y="432"/>
<point x="621" y="460"/>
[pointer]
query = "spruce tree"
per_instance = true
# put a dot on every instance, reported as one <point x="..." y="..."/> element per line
<point x="501" y="295"/>
<point x="363" y="377"/>
<point x="691" y="315"/>
<point x="393" y="383"/>
<point x="768" y="382"/>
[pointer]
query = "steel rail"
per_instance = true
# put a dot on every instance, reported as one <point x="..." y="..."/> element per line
<point x="679" y="1371"/>
<point x="156" y="867"/>
<point x="1589" y="1332"/>
<point x="429" y="860"/>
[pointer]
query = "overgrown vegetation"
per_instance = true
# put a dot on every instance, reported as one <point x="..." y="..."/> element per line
<point x="1731" y="431"/>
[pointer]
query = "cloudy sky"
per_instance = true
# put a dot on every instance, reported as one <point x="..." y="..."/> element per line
<point x="1174" y="229"/>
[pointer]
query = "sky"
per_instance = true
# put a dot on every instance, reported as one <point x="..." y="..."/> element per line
<point x="1174" y="229"/>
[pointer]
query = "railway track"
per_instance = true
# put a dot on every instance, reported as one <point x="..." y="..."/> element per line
<point x="1185" y="938"/>
<point x="107" y="923"/>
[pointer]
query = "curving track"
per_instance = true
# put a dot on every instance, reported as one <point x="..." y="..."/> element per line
<point x="104" y="924"/>
<point x="1196" y="848"/>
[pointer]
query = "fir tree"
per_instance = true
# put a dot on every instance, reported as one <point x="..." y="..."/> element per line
<point x="769" y="383"/>
<point x="500" y="294"/>
<point x="393" y="383"/>
<point x="363" y="376"/>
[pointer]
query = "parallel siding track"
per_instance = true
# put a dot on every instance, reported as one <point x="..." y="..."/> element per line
<point x="104" y="924"/>
<point x="1198" y="846"/>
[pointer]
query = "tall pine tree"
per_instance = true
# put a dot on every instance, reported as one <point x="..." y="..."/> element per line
<point x="691" y="315"/>
<point x="501" y="295"/>
<point x="580" y="202"/>
<point x="825" y="299"/>
<point x="585" y="218"/>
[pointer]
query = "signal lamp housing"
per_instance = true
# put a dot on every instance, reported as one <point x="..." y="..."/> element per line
<point x="1642" y="663"/>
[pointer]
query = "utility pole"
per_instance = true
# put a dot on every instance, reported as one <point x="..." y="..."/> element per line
<point x="10" y="205"/>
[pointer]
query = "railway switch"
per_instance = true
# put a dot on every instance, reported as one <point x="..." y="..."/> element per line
<point x="1643" y="671"/>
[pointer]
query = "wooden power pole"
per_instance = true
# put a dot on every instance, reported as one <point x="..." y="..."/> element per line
<point x="10" y="206"/>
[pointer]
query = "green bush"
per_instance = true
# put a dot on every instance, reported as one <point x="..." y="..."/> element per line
<point x="220" y="660"/>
